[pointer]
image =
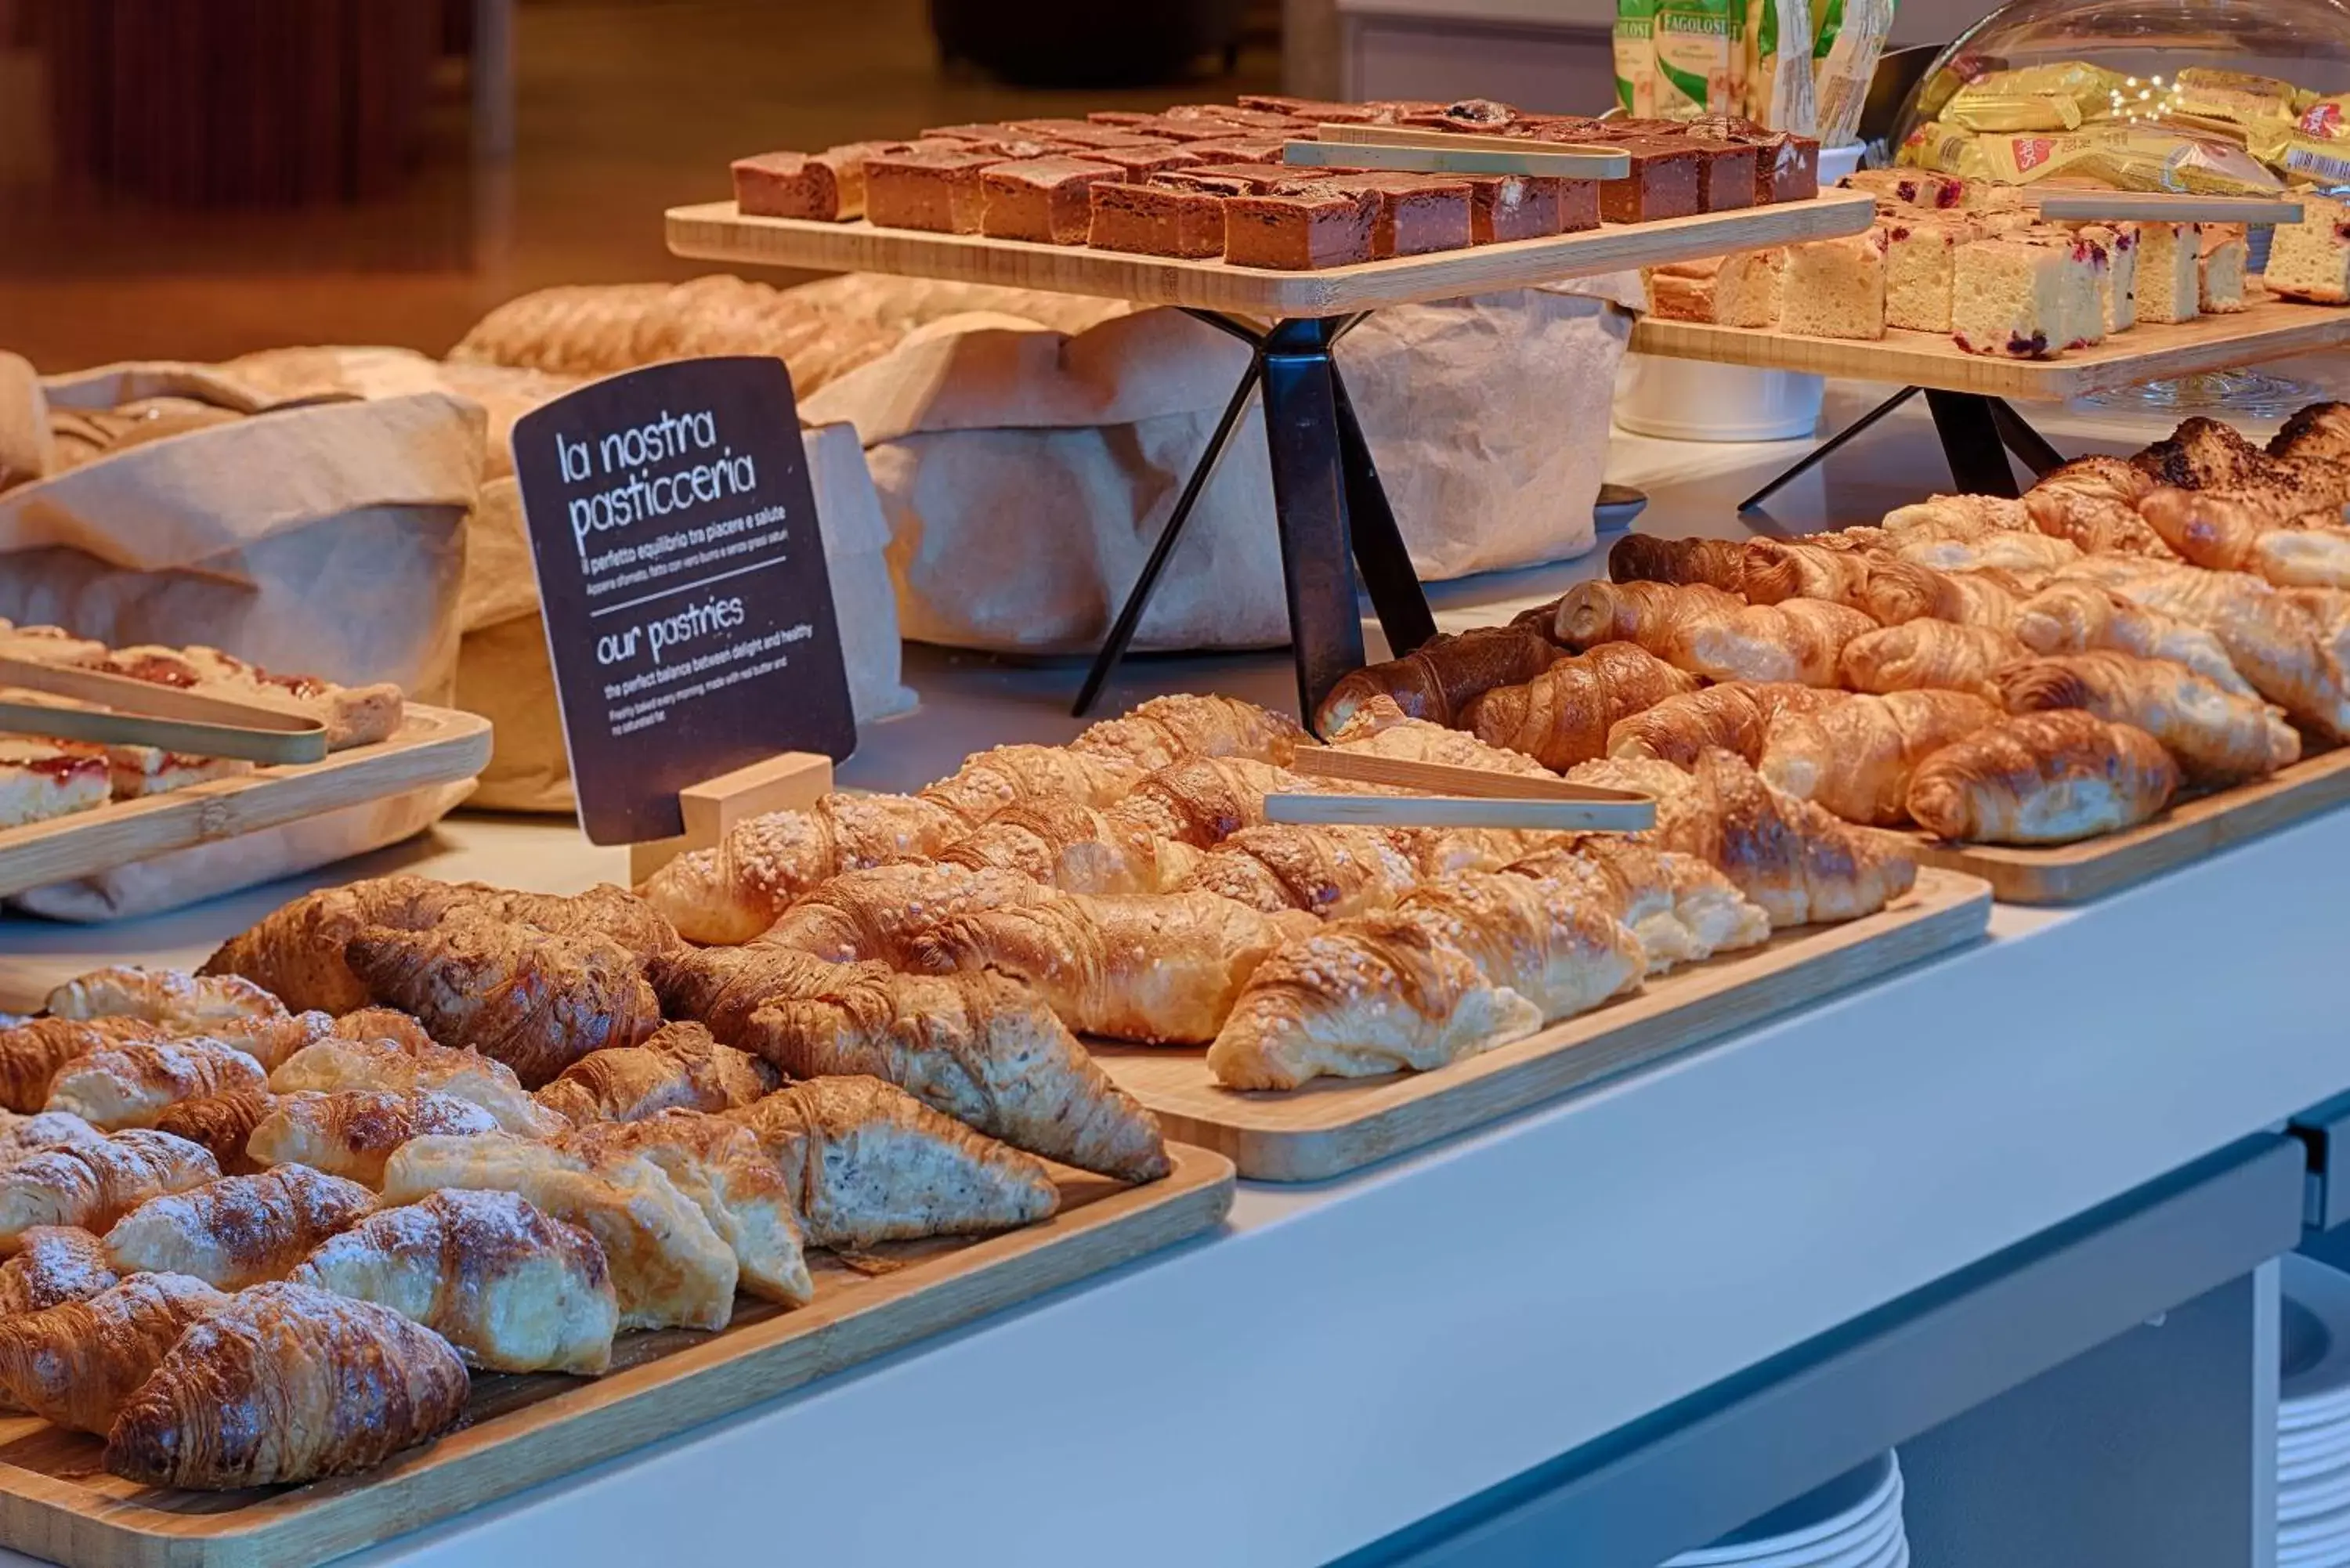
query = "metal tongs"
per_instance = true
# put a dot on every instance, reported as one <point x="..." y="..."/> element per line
<point x="141" y="714"/>
<point x="1458" y="797"/>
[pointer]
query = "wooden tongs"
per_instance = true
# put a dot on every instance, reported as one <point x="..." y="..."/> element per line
<point x="1458" y="797"/>
<point x="141" y="714"/>
<point x="1452" y="152"/>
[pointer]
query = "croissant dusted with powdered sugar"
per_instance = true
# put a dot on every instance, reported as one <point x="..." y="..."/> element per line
<point x="1648" y="558"/>
<point x="1919" y="655"/>
<point x="1562" y="716"/>
<point x="31" y="1052"/>
<point x="681" y="1067"/>
<point x="185" y="1002"/>
<point x="1159" y="969"/>
<point x="1325" y="870"/>
<point x="93" y="1184"/>
<point x="867" y="1163"/>
<point x="54" y="1264"/>
<point x="537" y="1001"/>
<point x="238" y="1230"/>
<point x="1437" y="679"/>
<point x="1793" y="858"/>
<point x="333" y="1064"/>
<point x="2217" y="737"/>
<point x="509" y="1288"/>
<point x="877" y="912"/>
<point x="223" y="1124"/>
<point x="977" y="1047"/>
<point x="1991" y="550"/>
<point x="380" y="1023"/>
<point x="1734" y="716"/>
<point x="2219" y="531"/>
<point x="131" y="1084"/>
<point x="2043" y="778"/>
<point x="24" y="1136"/>
<point x="287" y="1384"/>
<point x="2081" y="618"/>
<point x="76" y="1363"/>
<point x="723" y="1170"/>
<point x="1856" y="756"/>
<point x="1710" y="633"/>
<point x="352" y="1132"/>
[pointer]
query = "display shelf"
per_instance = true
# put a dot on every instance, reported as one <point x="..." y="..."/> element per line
<point x="2147" y="352"/>
<point x="433" y="746"/>
<point x="715" y="231"/>
<point x="1332" y="1125"/>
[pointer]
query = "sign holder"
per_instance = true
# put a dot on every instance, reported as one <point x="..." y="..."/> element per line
<point x="788" y="781"/>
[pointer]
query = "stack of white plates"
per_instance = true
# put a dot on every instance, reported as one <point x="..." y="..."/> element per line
<point x="1854" y="1521"/>
<point x="2313" y="1418"/>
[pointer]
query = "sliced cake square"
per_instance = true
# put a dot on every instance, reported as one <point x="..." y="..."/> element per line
<point x="2117" y="284"/>
<point x="2219" y="289"/>
<point x="1907" y="187"/>
<point x="1921" y="245"/>
<point x="2169" y="270"/>
<point x="41" y="779"/>
<point x="1835" y="289"/>
<point x="2311" y="259"/>
<point x="1741" y="289"/>
<point x="2007" y="297"/>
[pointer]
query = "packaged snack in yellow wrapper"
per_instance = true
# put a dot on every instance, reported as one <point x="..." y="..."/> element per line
<point x="2124" y="155"/>
<point x="1636" y="58"/>
<point x="2061" y="96"/>
<point x="1779" y="77"/>
<point x="2236" y="96"/>
<point x="2313" y="147"/>
<point x="1700" y="57"/>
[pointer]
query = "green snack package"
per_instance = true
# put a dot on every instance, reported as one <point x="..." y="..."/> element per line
<point x="1636" y="57"/>
<point x="1700" y="57"/>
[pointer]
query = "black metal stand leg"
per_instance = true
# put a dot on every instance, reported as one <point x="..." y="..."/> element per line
<point x="1971" y="440"/>
<point x="2026" y="443"/>
<point x="1138" y="599"/>
<point x="1812" y="459"/>
<point x="1387" y="572"/>
<point x="1309" y="497"/>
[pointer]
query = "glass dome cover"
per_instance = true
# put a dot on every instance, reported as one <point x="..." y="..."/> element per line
<point x="2218" y="96"/>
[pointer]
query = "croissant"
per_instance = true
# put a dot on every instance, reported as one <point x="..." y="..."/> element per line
<point x="94" y="1184"/>
<point x="1734" y="717"/>
<point x="1202" y="801"/>
<point x="382" y="1023"/>
<point x="1329" y="871"/>
<point x="287" y="1384"/>
<point x="535" y="1001"/>
<point x="877" y="912"/>
<point x="722" y="987"/>
<point x="1792" y="856"/>
<point x="1165" y="729"/>
<point x="1901" y="591"/>
<point x="509" y="1288"/>
<point x="721" y="1167"/>
<point x="1681" y="909"/>
<point x="2000" y="551"/>
<point x="1781" y="569"/>
<point x="238" y="1230"/>
<point x="2202" y="454"/>
<point x="2217" y="737"/>
<point x="270" y="1041"/>
<point x="1963" y="517"/>
<point x="869" y="1163"/>
<point x="2319" y="432"/>
<point x="223" y="1124"/>
<point x="2093" y="501"/>
<point x="1918" y="655"/>
<point x="681" y="1067"/>
<point x="333" y="1064"/>
<point x="1562" y="716"/>
<point x="761" y="867"/>
<point x="32" y="1052"/>
<point x="77" y="1363"/>
<point x="1437" y="680"/>
<point x="353" y="1132"/>
<point x="1380" y="729"/>
<point x="1709" y="633"/>
<point x="2215" y="529"/>
<point x="1074" y="847"/>
<point x="1855" y="757"/>
<point x="1647" y="558"/>
<point x="129" y="1084"/>
<point x="2043" y="778"/>
<point x="1459" y="966"/>
<point x="2080" y="617"/>
<point x="54" y="1264"/>
<point x="976" y="1046"/>
<point x="669" y="1268"/>
<point x="23" y="1135"/>
<point x="1033" y="775"/>
<point x="2273" y="643"/>
<point x="167" y="996"/>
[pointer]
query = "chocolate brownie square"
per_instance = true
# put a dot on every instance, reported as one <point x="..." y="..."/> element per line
<point x="1045" y="200"/>
<point x="1417" y="214"/>
<point x="1317" y="229"/>
<point x="828" y="186"/>
<point x="1156" y="220"/>
<point x="935" y="189"/>
<point x="1205" y="184"/>
<point x="1081" y="133"/>
<point x="1578" y="206"/>
<point x="1312" y="111"/>
<point x="1139" y="163"/>
<point x="1504" y="207"/>
<point x="1231" y="114"/>
<point x="1725" y="179"/>
<point x="1662" y="183"/>
<point x="1786" y="169"/>
<point x="1240" y="150"/>
<point x="1260" y="175"/>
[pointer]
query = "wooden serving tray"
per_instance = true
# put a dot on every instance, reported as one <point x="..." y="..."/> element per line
<point x="55" y="1503"/>
<point x="2075" y="873"/>
<point x="1336" y="1125"/>
<point x="434" y="745"/>
<point x="715" y="231"/>
<point x="2144" y="353"/>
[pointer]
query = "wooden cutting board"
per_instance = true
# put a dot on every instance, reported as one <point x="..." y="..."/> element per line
<point x="2075" y="873"/>
<point x="55" y="1503"/>
<point x="434" y="745"/>
<point x="1335" y="1125"/>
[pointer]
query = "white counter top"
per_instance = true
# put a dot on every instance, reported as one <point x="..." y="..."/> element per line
<point x="1349" y="1357"/>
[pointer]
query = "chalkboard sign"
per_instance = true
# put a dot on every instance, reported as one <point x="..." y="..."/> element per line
<point x="689" y="615"/>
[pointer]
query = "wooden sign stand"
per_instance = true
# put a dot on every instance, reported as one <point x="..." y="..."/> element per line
<point x="788" y="781"/>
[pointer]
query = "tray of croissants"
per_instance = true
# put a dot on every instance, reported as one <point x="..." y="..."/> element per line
<point x="257" y="1235"/>
<point x="2050" y="691"/>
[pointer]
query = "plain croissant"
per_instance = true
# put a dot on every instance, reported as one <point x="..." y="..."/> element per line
<point x="1681" y="909"/>
<point x="868" y="1163"/>
<point x="239" y="1230"/>
<point x="2217" y="736"/>
<point x="131" y="1084"/>
<point x="2081" y="618"/>
<point x="681" y="1067"/>
<point x="2043" y="778"/>
<point x="1709" y="633"/>
<point x="76" y="1363"/>
<point x="1440" y="679"/>
<point x="1005" y="777"/>
<point x="186" y="1002"/>
<point x="2211" y="528"/>
<point x="510" y="1288"/>
<point x="54" y="1264"/>
<point x="721" y="1167"/>
<point x="92" y="1184"/>
<point x="1781" y="569"/>
<point x="1651" y="558"/>
<point x="877" y="912"/>
<point x="1899" y="591"/>
<point x="1855" y="757"/>
<point x="334" y="1065"/>
<point x="1075" y="849"/>
<point x="1922" y="655"/>
<point x="352" y="1132"/>
<point x="1734" y="716"/>
<point x="1562" y="716"/>
<point x="1380" y="729"/>
<point x="2093" y="501"/>
<point x="283" y="1384"/>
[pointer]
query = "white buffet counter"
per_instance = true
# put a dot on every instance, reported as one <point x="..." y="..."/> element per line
<point x="1345" y="1359"/>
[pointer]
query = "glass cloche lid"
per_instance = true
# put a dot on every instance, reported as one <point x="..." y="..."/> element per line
<point x="2221" y="95"/>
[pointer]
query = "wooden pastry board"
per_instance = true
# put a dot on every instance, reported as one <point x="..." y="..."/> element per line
<point x="2075" y="873"/>
<point x="715" y="231"/>
<point x="2144" y="353"/>
<point x="434" y="745"/>
<point x="55" y="1503"/>
<point x="1335" y="1125"/>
